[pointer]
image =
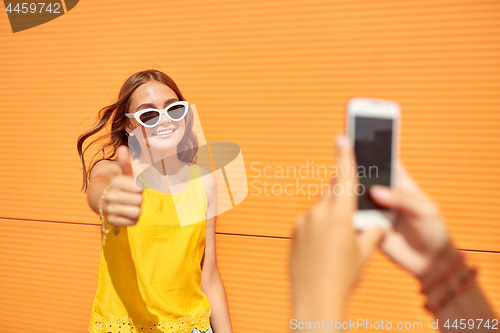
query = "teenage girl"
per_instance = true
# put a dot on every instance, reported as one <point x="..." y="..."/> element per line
<point x="155" y="275"/>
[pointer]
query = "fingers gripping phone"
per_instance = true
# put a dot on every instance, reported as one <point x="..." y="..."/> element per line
<point x="373" y="127"/>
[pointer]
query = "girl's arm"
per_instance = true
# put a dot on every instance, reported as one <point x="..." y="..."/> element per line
<point x="211" y="282"/>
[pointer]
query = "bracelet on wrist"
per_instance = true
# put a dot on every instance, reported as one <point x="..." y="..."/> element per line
<point x="458" y="261"/>
<point x="451" y="292"/>
<point x="104" y="221"/>
<point x="452" y="280"/>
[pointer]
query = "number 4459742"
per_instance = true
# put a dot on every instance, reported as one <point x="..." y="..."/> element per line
<point x="32" y="8"/>
<point x="471" y="324"/>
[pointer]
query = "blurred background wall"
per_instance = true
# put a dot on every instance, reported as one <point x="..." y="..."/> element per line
<point x="273" y="77"/>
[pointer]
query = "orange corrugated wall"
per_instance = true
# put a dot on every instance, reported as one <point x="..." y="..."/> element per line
<point x="273" y="77"/>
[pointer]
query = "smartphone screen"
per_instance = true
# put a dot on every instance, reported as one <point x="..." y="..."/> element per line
<point x="373" y="148"/>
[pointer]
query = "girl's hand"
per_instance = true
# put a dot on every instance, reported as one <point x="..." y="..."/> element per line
<point x="419" y="240"/>
<point x="327" y="255"/>
<point x="122" y="203"/>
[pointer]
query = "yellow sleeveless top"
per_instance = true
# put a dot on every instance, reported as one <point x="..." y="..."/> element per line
<point x="149" y="276"/>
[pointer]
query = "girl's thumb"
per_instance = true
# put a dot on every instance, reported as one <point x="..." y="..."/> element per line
<point x="124" y="160"/>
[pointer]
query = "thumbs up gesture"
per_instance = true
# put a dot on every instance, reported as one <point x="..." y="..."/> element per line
<point x="124" y="198"/>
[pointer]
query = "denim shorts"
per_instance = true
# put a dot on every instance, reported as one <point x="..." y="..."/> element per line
<point x="195" y="330"/>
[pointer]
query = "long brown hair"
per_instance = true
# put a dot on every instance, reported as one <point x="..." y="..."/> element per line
<point x="114" y="115"/>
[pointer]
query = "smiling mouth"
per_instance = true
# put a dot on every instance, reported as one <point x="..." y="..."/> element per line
<point x="164" y="133"/>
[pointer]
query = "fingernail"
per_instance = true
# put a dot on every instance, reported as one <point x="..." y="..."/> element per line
<point x="381" y="192"/>
<point x="341" y="141"/>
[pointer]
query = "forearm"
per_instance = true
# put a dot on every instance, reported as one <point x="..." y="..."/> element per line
<point x="216" y="293"/>
<point x="308" y="320"/>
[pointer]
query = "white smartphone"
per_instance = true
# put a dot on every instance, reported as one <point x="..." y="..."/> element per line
<point x="373" y="126"/>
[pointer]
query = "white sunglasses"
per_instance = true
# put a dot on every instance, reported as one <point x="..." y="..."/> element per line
<point x="151" y="117"/>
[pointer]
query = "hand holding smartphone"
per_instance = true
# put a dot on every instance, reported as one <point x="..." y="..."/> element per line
<point x="373" y="126"/>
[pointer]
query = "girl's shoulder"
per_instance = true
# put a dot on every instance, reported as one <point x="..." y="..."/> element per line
<point x="203" y="172"/>
<point x="208" y="179"/>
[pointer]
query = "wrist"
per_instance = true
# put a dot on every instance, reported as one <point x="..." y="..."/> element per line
<point x="105" y="226"/>
<point x="447" y="277"/>
<point x="318" y="302"/>
<point x="438" y="264"/>
<point x="103" y="212"/>
<point x="440" y="297"/>
<point x="441" y="289"/>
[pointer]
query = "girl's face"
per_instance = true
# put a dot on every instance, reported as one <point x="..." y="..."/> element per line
<point x="154" y="94"/>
